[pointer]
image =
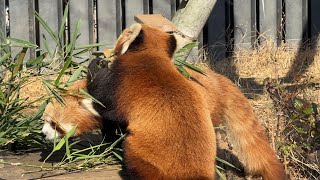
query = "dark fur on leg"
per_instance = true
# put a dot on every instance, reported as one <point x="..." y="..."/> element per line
<point x="98" y="72"/>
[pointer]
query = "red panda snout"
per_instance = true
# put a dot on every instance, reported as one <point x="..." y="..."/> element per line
<point x="54" y="127"/>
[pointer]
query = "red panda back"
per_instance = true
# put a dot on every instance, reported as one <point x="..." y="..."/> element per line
<point x="170" y="134"/>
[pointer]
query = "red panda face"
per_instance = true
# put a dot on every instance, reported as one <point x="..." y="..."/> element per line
<point x="59" y="118"/>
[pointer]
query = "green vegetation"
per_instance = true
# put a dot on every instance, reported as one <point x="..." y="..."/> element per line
<point x="300" y="133"/>
<point x="16" y="126"/>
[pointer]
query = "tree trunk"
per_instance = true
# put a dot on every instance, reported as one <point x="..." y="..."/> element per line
<point x="190" y="19"/>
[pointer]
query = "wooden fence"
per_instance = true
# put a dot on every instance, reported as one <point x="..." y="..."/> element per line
<point x="232" y="23"/>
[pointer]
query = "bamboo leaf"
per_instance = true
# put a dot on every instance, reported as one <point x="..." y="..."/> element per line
<point x="117" y="155"/>
<point x="81" y="52"/>
<point x="59" y="145"/>
<point x="4" y="141"/>
<point x="22" y="43"/>
<point x="89" y="148"/>
<point x="70" y="47"/>
<point x="117" y="141"/>
<point x="227" y="163"/>
<point x="192" y="67"/>
<point x="309" y="110"/>
<point x="4" y="57"/>
<point x="220" y="174"/>
<point x="2" y="134"/>
<point x="58" y="97"/>
<point x="75" y="75"/>
<point x="19" y="62"/>
<point x="69" y="157"/>
<point x="218" y="167"/>
<point x="91" y="97"/>
<point x="73" y="143"/>
<point x="64" y="19"/>
<point x="189" y="46"/>
<point x="67" y="136"/>
<point x="88" y="157"/>
<point x="184" y="72"/>
<point x="45" y="42"/>
<point x="46" y="27"/>
<point x="91" y="46"/>
<point x="40" y="111"/>
<point x="71" y="132"/>
<point x="38" y="60"/>
<point x="64" y="68"/>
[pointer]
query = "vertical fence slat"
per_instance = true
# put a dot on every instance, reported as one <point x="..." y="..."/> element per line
<point x="119" y="17"/>
<point x="243" y="23"/>
<point x="132" y="8"/>
<point x="2" y="20"/>
<point x="294" y="21"/>
<point x="315" y="22"/>
<point x="269" y="16"/>
<point x="216" y="31"/>
<point x="162" y="7"/>
<point x="22" y="22"/>
<point x="3" y="32"/>
<point x="80" y="10"/>
<point x="107" y="21"/>
<point x="51" y="12"/>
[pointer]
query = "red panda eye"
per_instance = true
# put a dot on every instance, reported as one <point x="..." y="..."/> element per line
<point x="170" y="32"/>
<point x="52" y="123"/>
<point x="57" y="127"/>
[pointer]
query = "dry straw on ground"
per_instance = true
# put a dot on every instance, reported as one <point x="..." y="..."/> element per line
<point x="33" y="88"/>
<point x="298" y="71"/>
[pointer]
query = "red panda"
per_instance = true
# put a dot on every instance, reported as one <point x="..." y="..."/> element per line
<point x="169" y="133"/>
<point x="227" y="105"/>
<point x="234" y="110"/>
<point x="63" y="118"/>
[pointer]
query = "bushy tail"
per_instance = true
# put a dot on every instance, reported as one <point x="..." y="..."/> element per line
<point x="249" y="138"/>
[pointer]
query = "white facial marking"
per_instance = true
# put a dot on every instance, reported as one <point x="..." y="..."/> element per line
<point x="67" y="126"/>
<point x="49" y="132"/>
<point x="88" y="105"/>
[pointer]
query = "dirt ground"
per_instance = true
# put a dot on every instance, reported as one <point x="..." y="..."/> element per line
<point x="14" y="172"/>
<point x="19" y="169"/>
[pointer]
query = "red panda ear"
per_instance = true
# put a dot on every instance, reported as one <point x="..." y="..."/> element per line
<point x="88" y="105"/>
<point x="126" y="38"/>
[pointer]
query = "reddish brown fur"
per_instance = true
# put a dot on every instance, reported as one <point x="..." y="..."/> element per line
<point x="224" y="101"/>
<point x="72" y="112"/>
<point x="169" y="134"/>
<point x="227" y="103"/>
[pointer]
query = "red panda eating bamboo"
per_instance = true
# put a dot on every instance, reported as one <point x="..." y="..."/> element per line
<point x="61" y="118"/>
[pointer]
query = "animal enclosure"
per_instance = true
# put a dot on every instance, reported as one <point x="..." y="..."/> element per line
<point x="232" y="24"/>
